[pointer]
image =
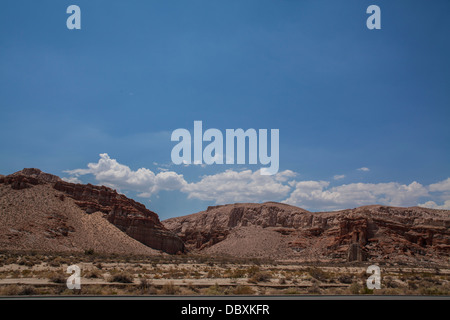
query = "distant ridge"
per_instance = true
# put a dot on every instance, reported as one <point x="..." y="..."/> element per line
<point x="283" y="232"/>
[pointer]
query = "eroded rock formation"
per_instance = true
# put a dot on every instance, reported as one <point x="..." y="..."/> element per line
<point x="131" y="217"/>
<point x="367" y="233"/>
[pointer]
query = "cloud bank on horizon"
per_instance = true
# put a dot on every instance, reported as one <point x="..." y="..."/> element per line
<point x="232" y="186"/>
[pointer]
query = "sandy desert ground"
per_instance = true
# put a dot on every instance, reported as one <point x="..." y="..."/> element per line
<point x="35" y="273"/>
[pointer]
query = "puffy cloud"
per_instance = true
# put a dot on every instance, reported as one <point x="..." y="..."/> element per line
<point x="365" y="169"/>
<point x="441" y="191"/>
<point x="250" y="186"/>
<point x="169" y="180"/>
<point x="317" y="195"/>
<point x="224" y="187"/>
<point x="339" y="176"/>
<point x="442" y="186"/>
<point x="284" y="175"/>
<point x="111" y="173"/>
<point x="244" y="186"/>
<point x="434" y="205"/>
<point x="71" y="180"/>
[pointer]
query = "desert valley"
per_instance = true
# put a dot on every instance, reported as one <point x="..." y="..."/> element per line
<point x="121" y="247"/>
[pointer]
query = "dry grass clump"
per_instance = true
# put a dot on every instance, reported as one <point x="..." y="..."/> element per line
<point x="215" y="290"/>
<point x="93" y="274"/>
<point x="170" y="289"/>
<point x="57" y="278"/>
<point x="345" y="278"/>
<point x="243" y="290"/>
<point x="18" y="290"/>
<point x="121" y="278"/>
<point x="260" y="277"/>
<point x="145" y="287"/>
<point x="314" y="289"/>
<point x="318" y="274"/>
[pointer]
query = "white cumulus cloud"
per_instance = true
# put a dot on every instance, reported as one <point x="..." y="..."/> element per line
<point x="244" y="186"/>
<point x="434" y="205"/>
<point x="71" y="180"/>
<point x="317" y="194"/>
<point x="111" y="173"/>
<point x="224" y="187"/>
<point x="442" y="186"/>
<point x="232" y="186"/>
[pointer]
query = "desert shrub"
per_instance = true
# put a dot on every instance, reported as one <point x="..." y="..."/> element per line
<point x="433" y="291"/>
<point x="10" y="260"/>
<point x="144" y="284"/>
<point x="412" y="285"/>
<point x="243" y="290"/>
<point x="314" y="289"/>
<point x="55" y="262"/>
<point x="192" y="287"/>
<point x="251" y="271"/>
<point x="27" y="291"/>
<point x="170" y="289"/>
<point x="256" y="261"/>
<point x="366" y="290"/>
<point x="260" y="277"/>
<point x="390" y="283"/>
<point x="317" y="273"/>
<point x="214" y="290"/>
<point x="10" y="290"/>
<point x="362" y="275"/>
<point x="122" y="278"/>
<point x="291" y="291"/>
<point x="345" y="278"/>
<point x="89" y="252"/>
<point x="93" y="274"/>
<point x="355" y="288"/>
<point x="26" y="261"/>
<point x="57" y="278"/>
<point x="26" y="272"/>
<point x="145" y="287"/>
<point x="175" y="273"/>
<point x="236" y="273"/>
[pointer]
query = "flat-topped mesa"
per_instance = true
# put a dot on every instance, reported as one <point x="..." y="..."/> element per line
<point x="206" y="228"/>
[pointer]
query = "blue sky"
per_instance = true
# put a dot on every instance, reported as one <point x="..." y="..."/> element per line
<point x="343" y="97"/>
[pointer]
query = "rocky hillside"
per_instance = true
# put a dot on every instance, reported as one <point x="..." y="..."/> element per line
<point x="40" y="211"/>
<point x="279" y="231"/>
